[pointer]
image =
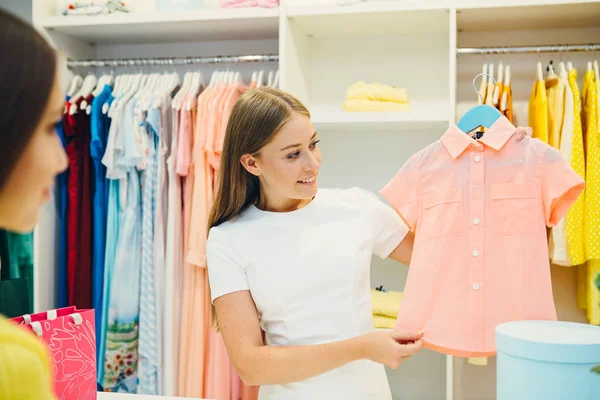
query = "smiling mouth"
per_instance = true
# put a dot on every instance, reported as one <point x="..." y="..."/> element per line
<point x="308" y="181"/>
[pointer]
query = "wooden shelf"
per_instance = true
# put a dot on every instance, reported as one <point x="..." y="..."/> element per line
<point x="155" y="27"/>
<point x="422" y="113"/>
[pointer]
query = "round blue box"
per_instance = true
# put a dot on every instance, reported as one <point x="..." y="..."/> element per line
<point x="549" y="360"/>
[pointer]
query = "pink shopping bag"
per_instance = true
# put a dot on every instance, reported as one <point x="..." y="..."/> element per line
<point x="71" y="340"/>
<point x="50" y="314"/>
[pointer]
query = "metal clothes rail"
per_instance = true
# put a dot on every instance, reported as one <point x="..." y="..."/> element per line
<point x="170" y="61"/>
<point x="528" y="49"/>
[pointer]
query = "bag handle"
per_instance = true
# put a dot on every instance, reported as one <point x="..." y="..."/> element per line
<point x="77" y="318"/>
<point x="37" y="326"/>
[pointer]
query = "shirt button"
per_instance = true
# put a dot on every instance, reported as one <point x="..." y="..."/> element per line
<point x="475" y="286"/>
<point x="476" y="221"/>
<point x="475" y="253"/>
<point x="477" y="158"/>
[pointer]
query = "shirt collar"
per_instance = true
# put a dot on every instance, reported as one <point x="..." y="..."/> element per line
<point x="457" y="141"/>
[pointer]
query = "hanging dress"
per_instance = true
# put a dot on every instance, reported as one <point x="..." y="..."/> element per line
<point x="592" y="201"/>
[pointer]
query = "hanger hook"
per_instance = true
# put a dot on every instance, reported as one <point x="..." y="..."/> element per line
<point x="475" y="88"/>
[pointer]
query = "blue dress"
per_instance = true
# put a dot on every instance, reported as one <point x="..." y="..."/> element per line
<point x="121" y="351"/>
<point x="113" y="216"/>
<point x="148" y="345"/>
<point x="99" y="134"/>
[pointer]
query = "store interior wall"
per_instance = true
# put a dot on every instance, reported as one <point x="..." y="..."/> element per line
<point x="20" y="7"/>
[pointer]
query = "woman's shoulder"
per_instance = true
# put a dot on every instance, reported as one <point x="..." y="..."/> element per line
<point x="351" y="196"/>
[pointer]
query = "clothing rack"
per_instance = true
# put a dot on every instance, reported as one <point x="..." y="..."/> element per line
<point x="170" y="61"/>
<point x="528" y="49"/>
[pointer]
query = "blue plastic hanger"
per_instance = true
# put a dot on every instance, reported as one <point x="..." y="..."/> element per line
<point x="481" y="115"/>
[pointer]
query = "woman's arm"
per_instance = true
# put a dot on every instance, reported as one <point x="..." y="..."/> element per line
<point x="403" y="252"/>
<point x="259" y="364"/>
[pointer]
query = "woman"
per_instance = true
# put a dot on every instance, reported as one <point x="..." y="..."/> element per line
<point x="293" y="261"/>
<point x="31" y="156"/>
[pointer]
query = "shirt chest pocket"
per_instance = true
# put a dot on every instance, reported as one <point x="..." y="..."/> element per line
<point x="514" y="208"/>
<point x="442" y="214"/>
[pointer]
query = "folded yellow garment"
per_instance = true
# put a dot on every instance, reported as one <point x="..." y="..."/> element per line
<point x="383" y="322"/>
<point x="373" y="105"/>
<point x="386" y="303"/>
<point x="376" y="91"/>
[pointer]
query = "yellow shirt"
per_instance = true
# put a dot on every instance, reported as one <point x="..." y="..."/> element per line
<point x="24" y="365"/>
<point x="592" y="202"/>
<point x="376" y="91"/>
<point x="538" y="111"/>
<point x="555" y="92"/>
<point x="386" y="303"/>
<point x="375" y="106"/>
<point x="575" y="244"/>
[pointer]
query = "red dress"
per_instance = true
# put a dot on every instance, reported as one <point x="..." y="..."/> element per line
<point x="79" y="209"/>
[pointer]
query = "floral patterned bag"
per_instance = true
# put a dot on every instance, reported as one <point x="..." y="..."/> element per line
<point x="70" y="336"/>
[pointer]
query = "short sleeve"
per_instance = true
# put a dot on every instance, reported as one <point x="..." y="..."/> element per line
<point x="561" y="186"/>
<point x="226" y="273"/>
<point x="402" y="192"/>
<point x="387" y="228"/>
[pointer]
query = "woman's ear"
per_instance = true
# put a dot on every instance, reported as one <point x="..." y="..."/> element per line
<point x="249" y="162"/>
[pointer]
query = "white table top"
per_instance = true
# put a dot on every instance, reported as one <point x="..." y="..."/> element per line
<point x="121" y="396"/>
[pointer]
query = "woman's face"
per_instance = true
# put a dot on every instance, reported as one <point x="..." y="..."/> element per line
<point x="288" y="166"/>
<point x="30" y="183"/>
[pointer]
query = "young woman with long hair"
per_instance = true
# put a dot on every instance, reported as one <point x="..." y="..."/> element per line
<point x="292" y="260"/>
<point x="31" y="156"/>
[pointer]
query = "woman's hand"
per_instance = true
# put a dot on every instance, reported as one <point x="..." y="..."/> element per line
<point x="392" y="348"/>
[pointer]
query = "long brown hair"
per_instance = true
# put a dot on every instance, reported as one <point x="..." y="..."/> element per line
<point x="256" y="118"/>
<point x="27" y="74"/>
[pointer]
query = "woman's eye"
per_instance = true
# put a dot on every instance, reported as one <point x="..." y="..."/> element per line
<point x="293" y="155"/>
<point x="314" y="144"/>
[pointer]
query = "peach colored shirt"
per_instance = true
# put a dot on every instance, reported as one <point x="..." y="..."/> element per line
<point x="212" y="122"/>
<point x="479" y="211"/>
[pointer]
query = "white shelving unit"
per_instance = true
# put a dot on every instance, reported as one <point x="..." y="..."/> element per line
<point x="218" y="24"/>
<point x="323" y="49"/>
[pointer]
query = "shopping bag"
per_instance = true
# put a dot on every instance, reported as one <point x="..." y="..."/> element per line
<point x="50" y="314"/>
<point x="71" y="340"/>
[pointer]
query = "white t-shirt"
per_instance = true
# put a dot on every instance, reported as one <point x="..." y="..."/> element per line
<point x="308" y="272"/>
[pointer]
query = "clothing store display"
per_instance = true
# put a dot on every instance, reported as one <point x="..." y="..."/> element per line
<point x="538" y="111"/>
<point x="385" y="305"/>
<point x="291" y="316"/>
<point x="89" y="7"/>
<point x="558" y="237"/>
<point x="62" y="182"/>
<point x="375" y="106"/>
<point x="376" y="91"/>
<point x="506" y="105"/>
<point x="575" y="217"/>
<point x="555" y="94"/>
<point x="592" y="204"/>
<point x="15" y="297"/>
<point x="249" y="3"/>
<point x="480" y="204"/>
<point x="145" y="151"/>
<point x="99" y="136"/>
<point x="16" y="271"/>
<point x="79" y="235"/>
<point x="383" y="322"/>
<point x="149" y="361"/>
<point x="369" y="97"/>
